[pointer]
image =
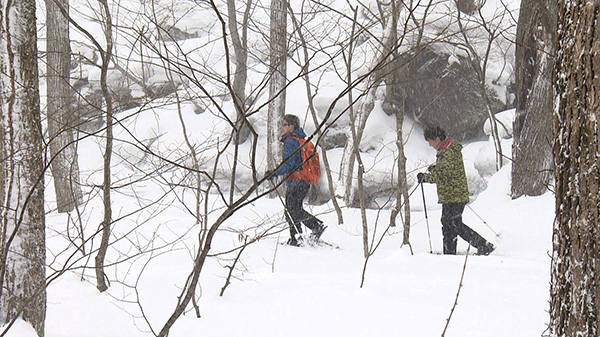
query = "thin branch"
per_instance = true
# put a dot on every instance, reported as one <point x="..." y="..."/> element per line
<point x="462" y="276"/>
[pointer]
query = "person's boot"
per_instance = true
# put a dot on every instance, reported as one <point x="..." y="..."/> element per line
<point x="486" y="249"/>
<point x="318" y="231"/>
<point x="296" y="241"/>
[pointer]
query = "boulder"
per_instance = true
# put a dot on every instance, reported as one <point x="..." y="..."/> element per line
<point x="443" y="89"/>
<point x="469" y="6"/>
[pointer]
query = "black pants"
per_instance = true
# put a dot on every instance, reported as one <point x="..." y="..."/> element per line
<point x="294" y="198"/>
<point x="452" y="226"/>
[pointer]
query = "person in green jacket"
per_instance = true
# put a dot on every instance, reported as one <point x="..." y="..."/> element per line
<point x="448" y="174"/>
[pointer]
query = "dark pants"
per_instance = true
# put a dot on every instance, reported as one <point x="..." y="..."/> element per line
<point x="294" y="198"/>
<point x="452" y="226"/>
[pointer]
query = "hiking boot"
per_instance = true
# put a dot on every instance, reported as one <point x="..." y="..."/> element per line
<point x="486" y="250"/>
<point x="318" y="231"/>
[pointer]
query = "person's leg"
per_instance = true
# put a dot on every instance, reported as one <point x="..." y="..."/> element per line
<point x="293" y="204"/>
<point x="299" y="215"/>
<point x="309" y="220"/>
<point x="469" y="235"/>
<point x="448" y="229"/>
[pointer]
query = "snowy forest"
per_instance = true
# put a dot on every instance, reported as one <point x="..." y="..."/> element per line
<point x="137" y="140"/>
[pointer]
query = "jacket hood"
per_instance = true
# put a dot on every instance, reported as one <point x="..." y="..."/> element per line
<point x="451" y="145"/>
<point x="299" y="133"/>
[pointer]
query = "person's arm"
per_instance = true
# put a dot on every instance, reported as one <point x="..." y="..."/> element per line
<point x="436" y="174"/>
<point x="290" y="161"/>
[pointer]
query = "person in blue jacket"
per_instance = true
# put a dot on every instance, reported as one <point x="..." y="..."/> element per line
<point x="297" y="189"/>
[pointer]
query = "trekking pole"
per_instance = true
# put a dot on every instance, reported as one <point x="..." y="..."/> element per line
<point x="426" y="218"/>
<point x="480" y="218"/>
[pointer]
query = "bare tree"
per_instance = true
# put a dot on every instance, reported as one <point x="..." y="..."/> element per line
<point x="239" y="39"/>
<point x="386" y="50"/>
<point x="532" y="127"/>
<point x="383" y="46"/>
<point x="575" y="303"/>
<point x="63" y="150"/>
<point x="22" y="231"/>
<point x="106" y="55"/>
<point x="277" y="80"/>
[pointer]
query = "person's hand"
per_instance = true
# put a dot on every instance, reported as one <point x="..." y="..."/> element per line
<point x="431" y="168"/>
<point x="420" y="177"/>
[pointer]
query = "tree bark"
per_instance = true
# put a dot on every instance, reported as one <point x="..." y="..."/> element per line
<point x="278" y="70"/>
<point x="105" y="226"/>
<point x="532" y="127"/>
<point x="240" y="48"/>
<point x="402" y="197"/>
<point x="575" y="283"/>
<point x="396" y="96"/>
<point x="22" y="229"/>
<point x="63" y="151"/>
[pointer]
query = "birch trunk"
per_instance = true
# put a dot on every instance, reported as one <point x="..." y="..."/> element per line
<point x="22" y="229"/>
<point x="278" y="57"/>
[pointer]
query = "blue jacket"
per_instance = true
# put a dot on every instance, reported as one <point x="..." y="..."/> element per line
<point x="291" y="162"/>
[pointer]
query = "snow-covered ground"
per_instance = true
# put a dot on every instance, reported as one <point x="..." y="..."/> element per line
<point x="280" y="290"/>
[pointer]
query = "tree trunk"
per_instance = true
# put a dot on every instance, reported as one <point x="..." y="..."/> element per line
<point x="22" y="230"/>
<point x="402" y="197"/>
<point x="278" y="57"/>
<point x="63" y="152"/>
<point x="532" y="145"/>
<point x="240" y="48"/>
<point x="575" y="284"/>
<point x="396" y="97"/>
<point x="101" y="283"/>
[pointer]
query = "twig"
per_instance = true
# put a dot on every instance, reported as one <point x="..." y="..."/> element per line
<point x="457" y="293"/>
<point x="274" y="256"/>
<point x="196" y="307"/>
<point x="232" y="267"/>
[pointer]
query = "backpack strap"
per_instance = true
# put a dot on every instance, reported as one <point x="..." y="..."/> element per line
<point x="296" y="176"/>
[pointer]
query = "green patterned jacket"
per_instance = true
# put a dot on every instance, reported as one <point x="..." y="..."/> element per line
<point x="449" y="174"/>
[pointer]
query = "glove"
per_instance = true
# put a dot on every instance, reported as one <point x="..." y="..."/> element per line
<point x="431" y="168"/>
<point x="420" y="177"/>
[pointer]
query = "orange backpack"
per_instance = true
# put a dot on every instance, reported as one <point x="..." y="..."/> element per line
<point x="310" y="171"/>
